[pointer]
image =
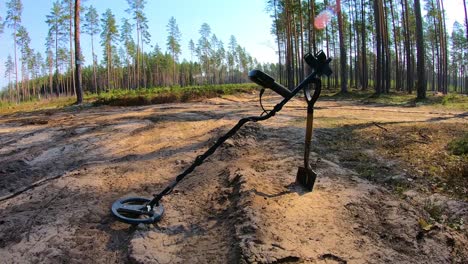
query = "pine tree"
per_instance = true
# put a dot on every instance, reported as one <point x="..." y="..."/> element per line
<point x="173" y="43"/>
<point x="109" y="35"/>
<point x="136" y="9"/>
<point x="129" y="44"/>
<point x="9" y="72"/>
<point x="23" y="41"/>
<point x="57" y="35"/>
<point x="91" y="27"/>
<point x="13" y="20"/>
<point x="68" y="8"/>
<point x="204" y="50"/>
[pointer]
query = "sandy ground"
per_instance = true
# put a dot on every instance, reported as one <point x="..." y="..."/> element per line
<point x="61" y="170"/>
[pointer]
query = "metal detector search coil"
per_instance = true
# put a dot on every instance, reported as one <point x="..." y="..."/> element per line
<point x="137" y="210"/>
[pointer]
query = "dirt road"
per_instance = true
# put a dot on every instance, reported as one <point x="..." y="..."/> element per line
<point x="240" y="206"/>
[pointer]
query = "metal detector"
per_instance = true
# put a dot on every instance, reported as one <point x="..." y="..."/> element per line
<point x="136" y="210"/>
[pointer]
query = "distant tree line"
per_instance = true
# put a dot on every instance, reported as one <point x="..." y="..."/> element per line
<point x="374" y="43"/>
<point x="127" y="63"/>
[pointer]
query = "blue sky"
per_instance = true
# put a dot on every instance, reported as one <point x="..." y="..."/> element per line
<point x="245" y="19"/>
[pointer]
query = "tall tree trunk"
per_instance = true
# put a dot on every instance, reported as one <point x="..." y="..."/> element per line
<point x="138" y="56"/>
<point x="327" y="39"/>
<point x="358" y="57"/>
<point x="364" y="76"/>
<point x="421" y="89"/>
<point x="296" y="51"/>
<point x="56" y="77"/>
<point x="301" y="33"/>
<point x="312" y="43"/>
<point x="72" y="69"/>
<point x="444" y="50"/>
<point x="409" y="70"/>
<point x="386" y="47"/>
<point x="280" y="67"/>
<point x="466" y="18"/>
<point x="94" y="66"/>
<point x="344" y="80"/>
<point x="351" y="48"/>
<point x="433" y="63"/>
<point x="396" y="41"/>
<point x="79" y="90"/>
<point x="437" y="35"/>
<point x="379" y="60"/>
<point x="16" y="64"/>
<point x="289" y="56"/>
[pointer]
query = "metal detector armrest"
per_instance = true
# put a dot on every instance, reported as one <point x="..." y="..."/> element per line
<point x="267" y="81"/>
<point x="319" y="63"/>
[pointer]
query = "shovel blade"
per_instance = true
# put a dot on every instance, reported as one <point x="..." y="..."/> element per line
<point x="306" y="178"/>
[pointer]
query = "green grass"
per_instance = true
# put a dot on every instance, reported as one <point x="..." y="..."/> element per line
<point x="450" y="101"/>
<point x="34" y="105"/>
<point x="459" y="146"/>
<point x="121" y="97"/>
<point x="167" y="94"/>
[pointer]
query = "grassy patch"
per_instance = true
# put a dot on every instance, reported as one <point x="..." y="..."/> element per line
<point x="425" y="153"/>
<point x="403" y="156"/>
<point x="434" y="210"/>
<point x="136" y="97"/>
<point x="459" y="146"/>
<point x="450" y="101"/>
<point x="8" y="108"/>
<point x="168" y="94"/>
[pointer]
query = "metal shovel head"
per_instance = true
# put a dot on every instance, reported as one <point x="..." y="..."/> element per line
<point x="135" y="210"/>
<point x="306" y="178"/>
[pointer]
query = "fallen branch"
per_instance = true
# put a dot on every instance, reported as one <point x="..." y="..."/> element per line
<point x="379" y="126"/>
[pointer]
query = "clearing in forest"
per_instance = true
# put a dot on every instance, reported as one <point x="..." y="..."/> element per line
<point x="61" y="170"/>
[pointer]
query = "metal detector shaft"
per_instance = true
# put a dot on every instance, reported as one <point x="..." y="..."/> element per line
<point x="199" y="159"/>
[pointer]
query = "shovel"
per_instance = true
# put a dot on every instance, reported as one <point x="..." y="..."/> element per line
<point x="305" y="175"/>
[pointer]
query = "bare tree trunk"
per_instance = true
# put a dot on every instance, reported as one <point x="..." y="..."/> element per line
<point x="466" y="18"/>
<point x="138" y="57"/>
<point x="301" y="32"/>
<point x="94" y="65"/>
<point x="327" y="39"/>
<point x="280" y="68"/>
<point x="79" y="90"/>
<point x="378" y="68"/>
<point x="396" y="41"/>
<point x="72" y="69"/>
<point x="16" y="65"/>
<point x="289" y="56"/>
<point x="56" y="77"/>
<point x="444" y="50"/>
<point x="409" y="71"/>
<point x="421" y="89"/>
<point x="364" y="69"/>
<point x="344" y="80"/>
<point x="386" y="47"/>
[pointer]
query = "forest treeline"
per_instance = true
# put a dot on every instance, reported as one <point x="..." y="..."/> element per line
<point x="384" y="45"/>
<point x="375" y="44"/>
<point x="128" y="61"/>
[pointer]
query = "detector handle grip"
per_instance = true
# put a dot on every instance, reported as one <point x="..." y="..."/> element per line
<point x="266" y="81"/>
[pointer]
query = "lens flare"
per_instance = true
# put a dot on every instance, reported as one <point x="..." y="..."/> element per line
<point x="324" y="18"/>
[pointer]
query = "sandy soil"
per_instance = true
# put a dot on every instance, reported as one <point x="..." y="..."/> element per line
<point x="61" y="170"/>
